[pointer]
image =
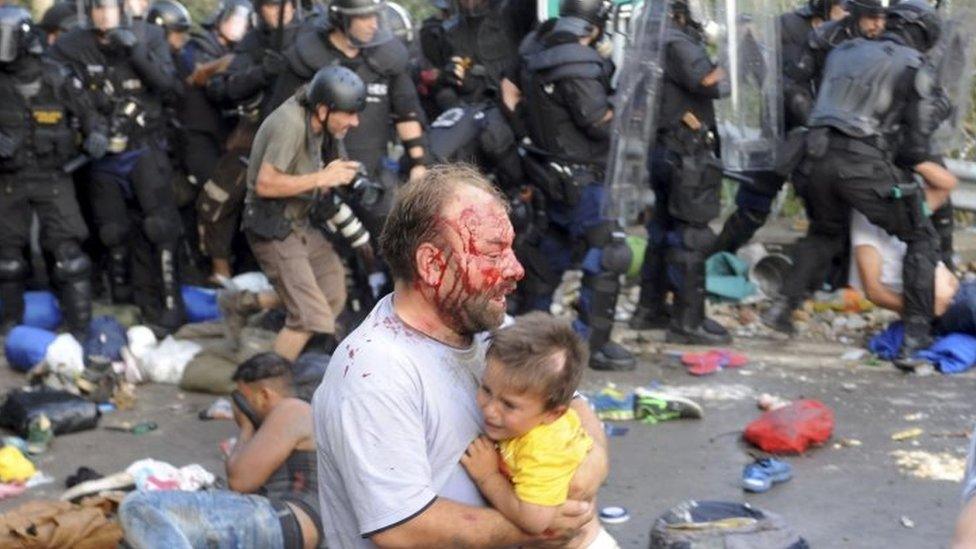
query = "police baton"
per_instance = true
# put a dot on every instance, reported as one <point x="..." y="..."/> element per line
<point x="738" y="176"/>
<point x="77" y="162"/>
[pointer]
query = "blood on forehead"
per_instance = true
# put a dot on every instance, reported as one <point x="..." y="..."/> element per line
<point x="482" y="228"/>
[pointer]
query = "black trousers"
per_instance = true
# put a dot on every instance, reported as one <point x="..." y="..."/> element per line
<point x="854" y="175"/>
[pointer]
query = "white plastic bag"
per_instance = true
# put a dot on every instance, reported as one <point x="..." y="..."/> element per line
<point x="165" y="363"/>
<point x="65" y="356"/>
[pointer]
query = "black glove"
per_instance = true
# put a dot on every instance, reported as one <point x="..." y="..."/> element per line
<point x="273" y="63"/>
<point x="7" y="146"/>
<point x="96" y="144"/>
<point x="123" y="39"/>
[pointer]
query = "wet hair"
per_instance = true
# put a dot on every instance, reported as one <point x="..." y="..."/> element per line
<point x="413" y="218"/>
<point x="541" y="354"/>
<point x="265" y="366"/>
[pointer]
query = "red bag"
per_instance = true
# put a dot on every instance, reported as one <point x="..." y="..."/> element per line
<point x="792" y="428"/>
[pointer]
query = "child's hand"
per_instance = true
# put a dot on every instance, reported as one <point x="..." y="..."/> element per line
<point x="481" y="459"/>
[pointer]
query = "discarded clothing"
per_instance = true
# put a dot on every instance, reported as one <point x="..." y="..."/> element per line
<point x="83" y="474"/>
<point x="951" y="354"/>
<point x="201" y="303"/>
<point x="64" y="356"/>
<point x="14" y="466"/>
<point x="612" y="405"/>
<point x="59" y="524"/>
<point x="727" y="276"/>
<point x="151" y="475"/>
<point x="104" y="343"/>
<point x="709" y="362"/>
<point x="11" y="489"/>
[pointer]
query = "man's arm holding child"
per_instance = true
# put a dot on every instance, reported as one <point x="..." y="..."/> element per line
<point x="481" y="462"/>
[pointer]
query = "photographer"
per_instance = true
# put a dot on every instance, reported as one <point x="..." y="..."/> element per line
<point x="285" y="184"/>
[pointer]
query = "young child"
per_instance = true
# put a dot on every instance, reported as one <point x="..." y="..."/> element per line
<point x="534" y="367"/>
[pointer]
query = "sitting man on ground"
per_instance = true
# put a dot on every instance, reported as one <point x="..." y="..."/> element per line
<point x="273" y="498"/>
<point x="397" y="406"/>
<point x="534" y="367"/>
<point x="876" y="266"/>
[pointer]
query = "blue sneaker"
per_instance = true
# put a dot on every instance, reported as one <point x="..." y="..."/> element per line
<point x="759" y="476"/>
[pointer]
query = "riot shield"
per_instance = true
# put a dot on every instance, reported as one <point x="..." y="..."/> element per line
<point x="954" y="60"/>
<point x="636" y="102"/>
<point x="750" y="117"/>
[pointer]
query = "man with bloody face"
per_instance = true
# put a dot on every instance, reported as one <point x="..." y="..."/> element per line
<point x="397" y="406"/>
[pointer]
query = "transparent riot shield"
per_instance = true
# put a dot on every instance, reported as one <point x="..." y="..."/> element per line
<point x="954" y="59"/>
<point x="750" y="117"/>
<point x="636" y="101"/>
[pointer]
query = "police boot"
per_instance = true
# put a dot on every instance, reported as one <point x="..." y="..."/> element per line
<point x="652" y="313"/>
<point x="688" y="324"/>
<point x="779" y="316"/>
<point x="118" y="274"/>
<point x="13" y="271"/>
<point x="738" y="229"/>
<point x="917" y="338"/>
<point x="944" y="224"/>
<point x="598" y="316"/>
<point x="72" y="270"/>
<point x="171" y="316"/>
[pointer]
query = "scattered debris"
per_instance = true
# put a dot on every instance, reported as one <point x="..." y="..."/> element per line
<point x="713" y="391"/>
<point x="849" y="387"/>
<point x="907" y="522"/>
<point x="918" y="416"/>
<point x="847" y="443"/>
<point x="219" y="409"/>
<point x="615" y="430"/>
<point x="907" y="434"/>
<point x="768" y="402"/>
<point x="930" y="466"/>
<point x="614" y="515"/>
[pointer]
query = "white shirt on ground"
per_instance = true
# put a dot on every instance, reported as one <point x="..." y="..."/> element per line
<point x="393" y="415"/>
<point x="891" y="249"/>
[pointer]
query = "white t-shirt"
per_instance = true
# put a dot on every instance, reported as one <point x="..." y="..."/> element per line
<point x="393" y="415"/>
<point x="892" y="251"/>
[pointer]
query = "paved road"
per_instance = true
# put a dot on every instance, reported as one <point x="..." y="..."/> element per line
<point x="848" y="497"/>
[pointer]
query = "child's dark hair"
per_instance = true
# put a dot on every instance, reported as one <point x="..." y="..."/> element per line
<point x="542" y="354"/>
<point x="264" y="366"/>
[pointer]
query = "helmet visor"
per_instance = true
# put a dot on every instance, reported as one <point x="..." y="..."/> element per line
<point x="367" y="28"/>
<point x="235" y="22"/>
<point x="106" y="14"/>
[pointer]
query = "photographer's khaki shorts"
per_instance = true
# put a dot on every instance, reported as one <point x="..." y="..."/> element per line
<point x="308" y="276"/>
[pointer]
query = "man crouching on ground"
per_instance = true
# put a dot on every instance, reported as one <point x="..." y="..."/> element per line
<point x="271" y="470"/>
<point x="397" y="407"/>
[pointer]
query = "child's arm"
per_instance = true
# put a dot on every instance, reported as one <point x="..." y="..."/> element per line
<point x="481" y="462"/>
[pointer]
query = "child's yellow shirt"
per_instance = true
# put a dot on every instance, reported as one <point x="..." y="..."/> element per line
<point x="541" y="463"/>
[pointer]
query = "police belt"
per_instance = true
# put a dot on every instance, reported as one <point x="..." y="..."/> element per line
<point x="872" y="146"/>
<point x="566" y="165"/>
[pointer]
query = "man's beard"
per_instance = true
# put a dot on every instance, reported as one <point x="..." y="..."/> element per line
<point x="475" y="314"/>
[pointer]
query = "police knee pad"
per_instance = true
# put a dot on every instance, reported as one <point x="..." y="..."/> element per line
<point x="697" y="239"/>
<point x="616" y="256"/>
<point x="13" y="267"/>
<point x="161" y="229"/>
<point x="112" y="234"/>
<point x="70" y="262"/>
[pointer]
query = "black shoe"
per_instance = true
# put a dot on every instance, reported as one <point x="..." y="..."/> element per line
<point x="907" y="361"/>
<point x="779" y="317"/>
<point x="612" y="357"/>
<point x="708" y="333"/>
<point x="649" y="318"/>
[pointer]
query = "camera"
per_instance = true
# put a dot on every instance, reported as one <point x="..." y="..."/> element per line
<point x="332" y="213"/>
<point x="366" y="191"/>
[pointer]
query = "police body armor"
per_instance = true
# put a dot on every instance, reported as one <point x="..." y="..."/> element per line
<point x="859" y="90"/>
<point x="377" y="66"/>
<point x="244" y="83"/>
<point x="41" y="126"/>
<point x="675" y="101"/>
<point x="133" y="111"/>
<point x="488" y="40"/>
<point x="569" y="154"/>
<point x="795" y="28"/>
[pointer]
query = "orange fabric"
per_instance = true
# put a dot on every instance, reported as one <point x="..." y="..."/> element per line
<point x="46" y="524"/>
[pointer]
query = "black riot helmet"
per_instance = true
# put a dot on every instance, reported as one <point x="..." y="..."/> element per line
<point x="566" y="30"/>
<point x="866" y="8"/>
<point x="169" y="14"/>
<point x="821" y="8"/>
<point x="398" y="20"/>
<point x="342" y="14"/>
<point x="111" y="14"/>
<point x="338" y="88"/>
<point x="228" y="9"/>
<point x="16" y="33"/>
<point x="916" y="21"/>
<point x="60" y="17"/>
<point x="593" y="11"/>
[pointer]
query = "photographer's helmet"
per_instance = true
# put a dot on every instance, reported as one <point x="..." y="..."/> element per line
<point x="338" y="88"/>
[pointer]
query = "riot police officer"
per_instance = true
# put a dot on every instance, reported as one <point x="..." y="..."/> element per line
<point x="40" y="109"/>
<point x="862" y="118"/>
<point x="566" y="89"/>
<point x="354" y="35"/>
<point x="686" y="176"/>
<point x="756" y="193"/>
<point x="478" y="47"/>
<point x="129" y="81"/>
<point x="244" y="87"/>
